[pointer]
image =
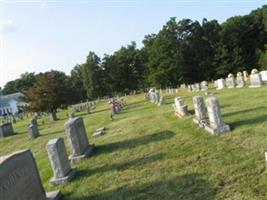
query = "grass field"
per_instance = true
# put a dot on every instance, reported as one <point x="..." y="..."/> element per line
<point x="148" y="153"/>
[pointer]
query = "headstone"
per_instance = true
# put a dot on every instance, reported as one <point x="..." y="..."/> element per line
<point x="78" y="140"/>
<point x="245" y="75"/>
<point x="204" y="86"/>
<point x="200" y="111"/>
<point x="161" y="101"/>
<point x="6" y="130"/>
<point x="179" y="107"/>
<point x="263" y="75"/>
<point x="34" y="121"/>
<point x="230" y="82"/>
<point x="255" y="80"/>
<point x="216" y="124"/>
<point x="220" y="84"/>
<point x="20" y="179"/>
<point x="60" y="164"/>
<point x="190" y="89"/>
<point x="33" y="131"/>
<point x="240" y="82"/>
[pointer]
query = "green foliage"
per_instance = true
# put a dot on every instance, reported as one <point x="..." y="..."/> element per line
<point x="25" y="81"/>
<point x="50" y="91"/>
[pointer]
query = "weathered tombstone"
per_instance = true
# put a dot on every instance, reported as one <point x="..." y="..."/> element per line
<point x="60" y="164"/>
<point x="255" y="79"/>
<point x="230" y="81"/>
<point x="263" y="75"/>
<point x="78" y="140"/>
<point x="204" y="86"/>
<point x="190" y="89"/>
<point x="33" y="131"/>
<point x="220" y="84"/>
<point x="53" y="116"/>
<point x="216" y="124"/>
<point x="20" y="179"/>
<point x="240" y="80"/>
<point x="6" y="130"/>
<point x="200" y="111"/>
<point x="179" y="107"/>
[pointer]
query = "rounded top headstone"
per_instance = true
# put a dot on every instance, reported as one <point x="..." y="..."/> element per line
<point x="254" y="71"/>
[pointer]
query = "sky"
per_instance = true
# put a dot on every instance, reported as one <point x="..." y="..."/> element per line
<point x="38" y="36"/>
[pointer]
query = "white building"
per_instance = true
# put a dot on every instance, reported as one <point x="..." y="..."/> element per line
<point x="11" y="104"/>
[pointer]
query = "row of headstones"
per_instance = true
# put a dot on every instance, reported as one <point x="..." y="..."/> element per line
<point x="154" y="96"/>
<point x="84" y="107"/>
<point x="207" y="114"/>
<point x="19" y="176"/>
<point x="256" y="80"/>
<point x="203" y="86"/>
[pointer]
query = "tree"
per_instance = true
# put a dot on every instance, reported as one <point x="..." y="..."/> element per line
<point x="51" y="91"/>
<point x="77" y="83"/>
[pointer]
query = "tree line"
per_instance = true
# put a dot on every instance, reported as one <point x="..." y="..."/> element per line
<point x="182" y="51"/>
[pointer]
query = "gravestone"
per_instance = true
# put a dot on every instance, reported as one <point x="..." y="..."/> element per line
<point x="161" y="101"/>
<point x="216" y="124"/>
<point x="179" y="107"/>
<point x="20" y="179"/>
<point x="78" y="140"/>
<point x="263" y="75"/>
<point x="220" y="84"/>
<point x="190" y="89"/>
<point x="240" y="82"/>
<point x="245" y="75"/>
<point x="204" y="86"/>
<point x="6" y="130"/>
<point x="255" y="80"/>
<point x="230" y="82"/>
<point x="33" y="131"/>
<point x="60" y="164"/>
<point x="200" y="111"/>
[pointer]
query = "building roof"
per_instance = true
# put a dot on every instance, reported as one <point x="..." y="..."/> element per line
<point x="5" y="100"/>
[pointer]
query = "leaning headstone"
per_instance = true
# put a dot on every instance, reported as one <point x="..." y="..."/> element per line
<point x="240" y="80"/>
<point x="216" y="124"/>
<point x="179" y="107"/>
<point x="20" y="179"/>
<point x="220" y="84"/>
<point x="255" y="79"/>
<point x="230" y="81"/>
<point x="33" y="131"/>
<point x="6" y="130"/>
<point x="200" y="111"/>
<point x="78" y="140"/>
<point x="59" y="161"/>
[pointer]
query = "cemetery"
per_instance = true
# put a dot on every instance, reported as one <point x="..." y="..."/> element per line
<point x="145" y="151"/>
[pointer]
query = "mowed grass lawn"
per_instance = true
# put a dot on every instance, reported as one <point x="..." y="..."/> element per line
<point x="148" y="153"/>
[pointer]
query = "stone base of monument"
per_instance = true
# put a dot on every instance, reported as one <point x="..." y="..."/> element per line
<point x="99" y="132"/>
<point x="66" y="179"/>
<point x="55" y="195"/>
<point x="222" y="129"/>
<point x="87" y="153"/>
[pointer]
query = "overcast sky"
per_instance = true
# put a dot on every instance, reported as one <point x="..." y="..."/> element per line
<point x="42" y="35"/>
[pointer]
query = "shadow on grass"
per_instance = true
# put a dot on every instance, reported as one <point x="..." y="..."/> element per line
<point x="244" y="111"/>
<point x="119" y="166"/>
<point x="185" y="187"/>
<point x="255" y="120"/>
<point x="132" y="143"/>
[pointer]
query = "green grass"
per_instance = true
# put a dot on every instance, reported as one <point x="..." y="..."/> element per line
<point x="148" y="153"/>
